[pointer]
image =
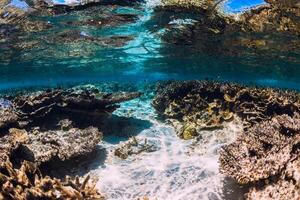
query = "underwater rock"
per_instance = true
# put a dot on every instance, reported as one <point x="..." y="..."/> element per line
<point x="134" y="146"/>
<point x="28" y="183"/>
<point x="206" y="105"/>
<point x="266" y="157"/>
<point x="61" y="145"/>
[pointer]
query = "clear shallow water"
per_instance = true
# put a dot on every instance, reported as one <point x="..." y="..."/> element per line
<point x="178" y="170"/>
<point x="44" y="58"/>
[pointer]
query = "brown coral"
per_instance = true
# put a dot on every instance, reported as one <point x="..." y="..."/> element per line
<point x="134" y="146"/>
<point x="53" y="126"/>
<point x="208" y="104"/>
<point x="268" y="155"/>
<point x="28" y="183"/>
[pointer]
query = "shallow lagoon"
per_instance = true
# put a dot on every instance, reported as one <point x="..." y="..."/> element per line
<point x="132" y="56"/>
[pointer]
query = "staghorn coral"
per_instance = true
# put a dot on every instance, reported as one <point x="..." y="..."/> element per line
<point x="134" y="146"/>
<point x="28" y="183"/>
<point x="266" y="157"/>
<point x="200" y="105"/>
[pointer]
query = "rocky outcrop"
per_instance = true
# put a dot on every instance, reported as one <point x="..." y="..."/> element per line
<point x="205" y="105"/>
<point x="267" y="158"/>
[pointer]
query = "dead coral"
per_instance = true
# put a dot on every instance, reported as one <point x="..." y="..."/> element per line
<point x="28" y="183"/>
<point x="46" y="146"/>
<point x="267" y="157"/>
<point x="134" y="146"/>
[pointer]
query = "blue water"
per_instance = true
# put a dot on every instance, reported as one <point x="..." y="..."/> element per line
<point x="38" y="58"/>
<point x="68" y="51"/>
<point x="240" y="5"/>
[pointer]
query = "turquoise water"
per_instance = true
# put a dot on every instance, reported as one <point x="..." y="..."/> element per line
<point x="48" y="58"/>
<point x="127" y="52"/>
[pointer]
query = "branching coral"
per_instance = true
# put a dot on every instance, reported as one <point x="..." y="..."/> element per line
<point x="134" y="146"/>
<point x="28" y="183"/>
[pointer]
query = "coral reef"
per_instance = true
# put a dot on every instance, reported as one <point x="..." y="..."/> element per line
<point x="62" y="145"/>
<point x="31" y="108"/>
<point x="7" y="118"/>
<point x="280" y="16"/>
<point x="28" y="183"/>
<point x="10" y="142"/>
<point x="134" y="146"/>
<point x="52" y="126"/>
<point x="266" y="157"/>
<point x="205" y="105"/>
<point x="265" y="154"/>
